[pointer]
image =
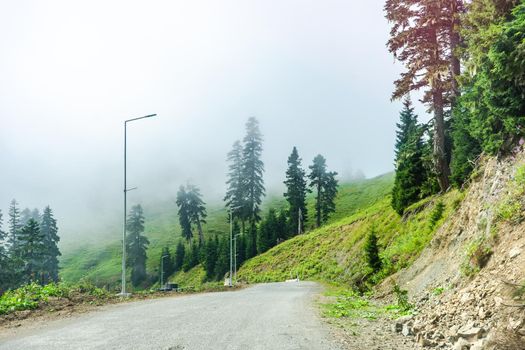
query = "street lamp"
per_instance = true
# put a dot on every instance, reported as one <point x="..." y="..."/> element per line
<point x="126" y="190"/>
<point x="231" y="242"/>
<point x="235" y="257"/>
<point x="162" y="270"/>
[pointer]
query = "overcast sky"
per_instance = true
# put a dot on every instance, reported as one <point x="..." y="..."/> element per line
<point x="315" y="73"/>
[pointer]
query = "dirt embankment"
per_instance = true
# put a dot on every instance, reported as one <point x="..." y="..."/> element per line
<point x="468" y="285"/>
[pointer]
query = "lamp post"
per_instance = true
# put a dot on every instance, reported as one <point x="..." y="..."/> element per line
<point x="235" y="258"/>
<point x="231" y="243"/>
<point x="126" y="190"/>
<point x="162" y="270"/>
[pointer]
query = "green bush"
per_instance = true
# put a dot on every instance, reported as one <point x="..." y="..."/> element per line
<point x="437" y="213"/>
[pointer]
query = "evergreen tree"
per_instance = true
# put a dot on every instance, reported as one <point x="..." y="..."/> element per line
<point x="5" y="275"/>
<point x="136" y="245"/>
<point x="223" y="257"/>
<point x="283" y="227"/>
<point x="252" y="179"/>
<point x="241" y="249"/>
<point x="184" y="214"/>
<point x="25" y="216"/>
<point x="372" y="251"/>
<point x="266" y="234"/>
<point x="31" y="250"/>
<point x="235" y="195"/>
<point x="296" y="189"/>
<point x="14" y="227"/>
<point x="179" y="256"/>
<point x="424" y="37"/>
<point x="196" y="209"/>
<point x="410" y="173"/>
<point x="49" y="229"/>
<point x="167" y="264"/>
<point x="325" y="186"/>
<point x="210" y="258"/>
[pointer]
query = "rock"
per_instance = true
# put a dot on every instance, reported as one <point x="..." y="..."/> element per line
<point x="514" y="252"/>
<point x="514" y="324"/>
<point x="498" y="301"/>
<point x="469" y="332"/>
<point x="461" y="344"/>
<point x="396" y="327"/>
<point x="479" y="345"/>
<point x="406" y="330"/>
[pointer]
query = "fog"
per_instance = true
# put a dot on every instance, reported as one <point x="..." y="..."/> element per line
<point x="316" y="74"/>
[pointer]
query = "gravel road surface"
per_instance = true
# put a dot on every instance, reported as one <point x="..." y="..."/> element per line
<point x="266" y="316"/>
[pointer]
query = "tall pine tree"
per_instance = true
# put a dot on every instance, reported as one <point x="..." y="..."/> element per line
<point x="410" y="172"/>
<point x="31" y="250"/>
<point x="235" y="195"/>
<point x="49" y="230"/>
<point x="296" y="189"/>
<point x="252" y="180"/>
<point x="14" y="227"/>
<point x="196" y="209"/>
<point x="325" y="188"/>
<point x="421" y="38"/>
<point x="136" y="245"/>
<point x="184" y="213"/>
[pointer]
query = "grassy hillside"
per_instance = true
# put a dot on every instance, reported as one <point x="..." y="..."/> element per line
<point x="100" y="263"/>
<point x="334" y="253"/>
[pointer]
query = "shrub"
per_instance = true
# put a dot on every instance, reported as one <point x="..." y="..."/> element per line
<point x="402" y="299"/>
<point x="372" y="251"/>
<point x="437" y="213"/>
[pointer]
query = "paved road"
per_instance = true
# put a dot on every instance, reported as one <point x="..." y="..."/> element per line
<point x="267" y="316"/>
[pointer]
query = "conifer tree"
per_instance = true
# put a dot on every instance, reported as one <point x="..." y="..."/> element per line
<point x="252" y="179"/>
<point x="210" y="258"/>
<point x="296" y="189"/>
<point x="49" y="229"/>
<point x="14" y="227"/>
<point x="179" y="256"/>
<point x="325" y="187"/>
<point x="267" y="232"/>
<point x="372" y="251"/>
<point x="421" y="39"/>
<point x="31" y="250"/>
<point x="410" y="173"/>
<point x="184" y="214"/>
<point x="5" y="276"/>
<point x="136" y="245"/>
<point x="223" y="257"/>
<point x="235" y="195"/>
<point x="196" y="209"/>
<point x="167" y="263"/>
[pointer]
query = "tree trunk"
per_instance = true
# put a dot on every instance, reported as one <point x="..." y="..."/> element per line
<point x="201" y="235"/>
<point x="318" y="204"/>
<point x="455" y="65"/>
<point x="440" y="159"/>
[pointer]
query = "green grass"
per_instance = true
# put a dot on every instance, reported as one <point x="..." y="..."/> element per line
<point x="31" y="296"/>
<point x="334" y="253"/>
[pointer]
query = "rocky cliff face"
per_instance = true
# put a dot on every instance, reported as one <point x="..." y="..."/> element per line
<point x="468" y="286"/>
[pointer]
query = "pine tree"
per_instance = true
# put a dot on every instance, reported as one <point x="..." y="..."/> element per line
<point x="49" y="229"/>
<point x="325" y="187"/>
<point x="372" y="251"/>
<point x="179" y="256"/>
<point x="421" y="39"/>
<point x="267" y="232"/>
<point x="167" y="264"/>
<point x="184" y="214"/>
<point x="136" y="245"/>
<point x="31" y="250"/>
<point x="235" y="195"/>
<point x="283" y="227"/>
<point x="210" y="258"/>
<point x="329" y="195"/>
<point x="252" y="179"/>
<point x="223" y="257"/>
<point x="296" y="189"/>
<point x="5" y="275"/>
<point x="14" y="227"/>
<point x="196" y="209"/>
<point x="410" y="172"/>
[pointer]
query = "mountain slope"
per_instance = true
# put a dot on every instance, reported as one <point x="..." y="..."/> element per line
<point x="100" y="262"/>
